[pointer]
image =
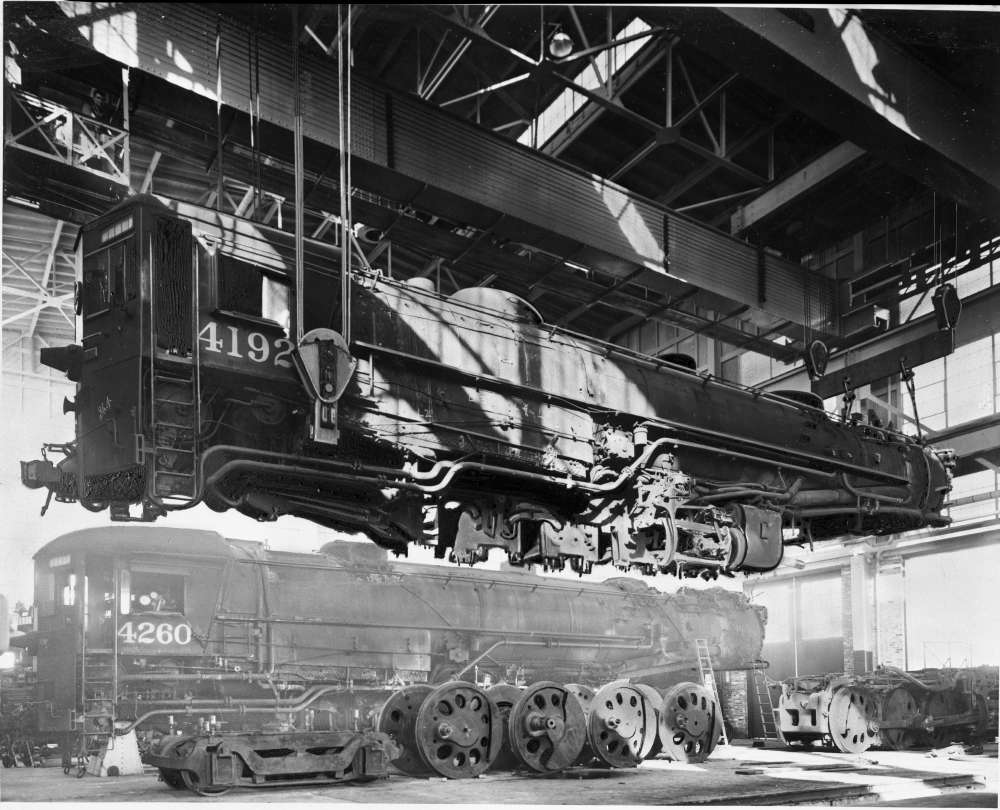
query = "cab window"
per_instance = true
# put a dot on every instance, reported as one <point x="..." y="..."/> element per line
<point x="244" y="290"/>
<point x="154" y="592"/>
<point x="105" y="280"/>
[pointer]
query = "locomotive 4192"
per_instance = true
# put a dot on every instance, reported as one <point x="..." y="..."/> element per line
<point x="461" y="422"/>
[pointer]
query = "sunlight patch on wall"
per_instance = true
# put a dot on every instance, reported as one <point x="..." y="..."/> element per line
<point x="865" y="60"/>
<point x="112" y="32"/>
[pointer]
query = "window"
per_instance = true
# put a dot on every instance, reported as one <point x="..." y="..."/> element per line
<point x="154" y="592"/>
<point x="244" y="290"/>
<point x="820" y="607"/>
<point x="45" y="592"/>
<point x="104" y="280"/>
<point x="69" y="591"/>
<point x="776" y="597"/>
<point x="96" y="284"/>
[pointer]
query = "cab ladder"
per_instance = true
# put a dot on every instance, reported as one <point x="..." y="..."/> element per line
<point x="97" y="672"/>
<point x="175" y="405"/>
<point x="174" y="425"/>
<point x="708" y="677"/>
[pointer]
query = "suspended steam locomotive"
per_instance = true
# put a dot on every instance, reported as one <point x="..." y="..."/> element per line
<point x="462" y="422"/>
<point x="889" y="708"/>
<point x="182" y="634"/>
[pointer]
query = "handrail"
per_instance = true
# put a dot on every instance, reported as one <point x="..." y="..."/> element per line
<point x="53" y="131"/>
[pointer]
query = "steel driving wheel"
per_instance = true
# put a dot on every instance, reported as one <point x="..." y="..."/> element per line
<point x="547" y="728"/>
<point x="690" y="723"/>
<point x="457" y="731"/>
<point x="899" y="708"/>
<point x="398" y="719"/>
<point x="654" y="700"/>
<point x="852" y="722"/>
<point x="938" y="705"/>
<point x="584" y="694"/>
<point x="504" y="696"/>
<point x="622" y="725"/>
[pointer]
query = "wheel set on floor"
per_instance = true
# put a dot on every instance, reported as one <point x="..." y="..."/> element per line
<point x="458" y="730"/>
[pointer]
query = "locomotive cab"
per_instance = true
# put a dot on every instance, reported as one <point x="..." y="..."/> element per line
<point x="134" y="302"/>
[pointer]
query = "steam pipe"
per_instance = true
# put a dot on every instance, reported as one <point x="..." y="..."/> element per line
<point x="872" y="496"/>
<point x="277" y="706"/>
<point x="732" y="494"/>
<point x="908" y="677"/>
<point x="354" y="471"/>
<point x="651" y="647"/>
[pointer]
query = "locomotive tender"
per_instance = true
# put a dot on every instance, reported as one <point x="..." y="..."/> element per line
<point x="167" y="631"/>
<point x="461" y="422"/>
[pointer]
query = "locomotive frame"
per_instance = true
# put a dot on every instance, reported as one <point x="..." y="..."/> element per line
<point x="889" y="708"/>
<point x="465" y="423"/>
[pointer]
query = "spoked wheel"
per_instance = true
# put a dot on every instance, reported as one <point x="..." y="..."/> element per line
<point x="458" y="734"/>
<point x="690" y="723"/>
<point x="547" y="728"/>
<point x="503" y="697"/>
<point x="937" y="705"/>
<point x="622" y="725"/>
<point x="899" y="708"/>
<point x="398" y="719"/>
<point x="852" y="719"/>
<point x="584" y="694"/>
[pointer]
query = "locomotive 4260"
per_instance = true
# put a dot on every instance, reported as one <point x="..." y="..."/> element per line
<point x="254" y="666"/>
<point x="462" y="422"/>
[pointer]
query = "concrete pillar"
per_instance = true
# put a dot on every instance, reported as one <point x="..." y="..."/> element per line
<point x="858" y="621"/>
<point x="890" y="606"/>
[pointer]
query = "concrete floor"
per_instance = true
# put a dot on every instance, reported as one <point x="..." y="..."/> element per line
<point x="734" y="775"/>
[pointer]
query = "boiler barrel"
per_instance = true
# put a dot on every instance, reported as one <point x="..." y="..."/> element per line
<point x="399" y="615"/>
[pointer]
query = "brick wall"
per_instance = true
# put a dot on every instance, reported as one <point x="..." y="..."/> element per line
<point x="847" y="618"/>
<point x="735" y="703"/>
<point x="891" y="614"/>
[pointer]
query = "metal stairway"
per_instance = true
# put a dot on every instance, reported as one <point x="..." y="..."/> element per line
<point x="708" y="677"/>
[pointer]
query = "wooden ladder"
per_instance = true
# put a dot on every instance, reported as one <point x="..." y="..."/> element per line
<point x="708" y="677"/>
<point x="764" y="703"/>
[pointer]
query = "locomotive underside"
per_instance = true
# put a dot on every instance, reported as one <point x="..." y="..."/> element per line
<point x="463" y="423"/>
<point x="889" y="708"/>
<point x="480" y="430"/>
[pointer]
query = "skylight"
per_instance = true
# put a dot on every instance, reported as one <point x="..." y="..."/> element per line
<point x="569" y="101"/>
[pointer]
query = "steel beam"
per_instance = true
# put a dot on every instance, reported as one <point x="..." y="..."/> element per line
<point x="688" y="182"/>
<point x="480" y="175"/>
<point x="50" y="263"/>
<point x="974" y="443"/>
<point x="624" y="78"/>
<point x="853" y="80"/>
<point x="919" y="341"/>
<point x="788" y="189"/>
